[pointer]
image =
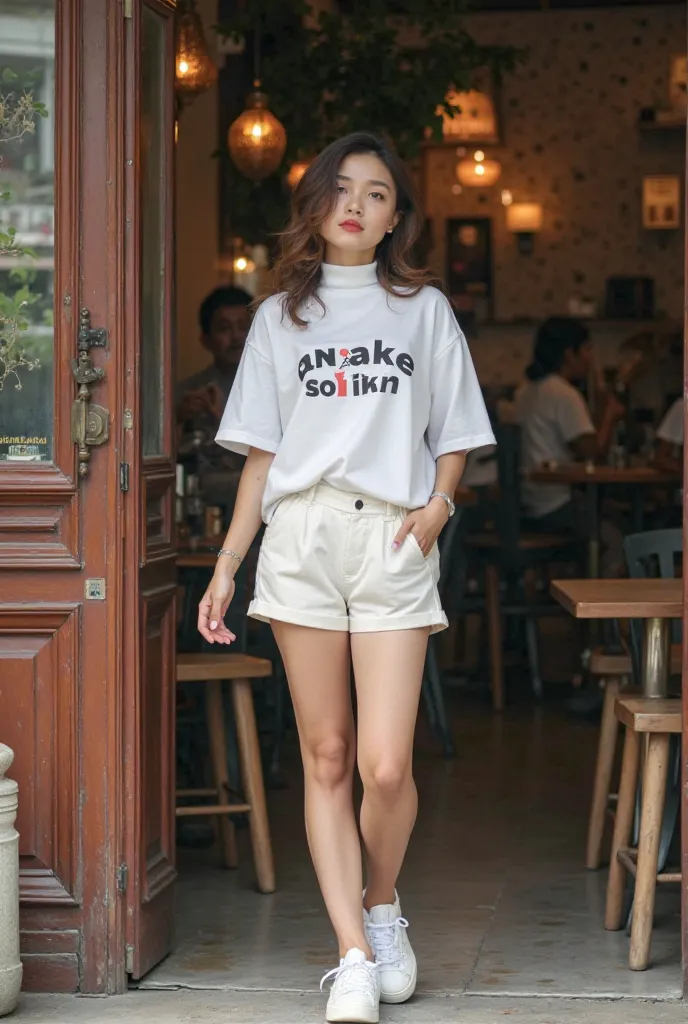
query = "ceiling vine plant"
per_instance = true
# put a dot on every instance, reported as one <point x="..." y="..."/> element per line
<point x="363" y="64"/>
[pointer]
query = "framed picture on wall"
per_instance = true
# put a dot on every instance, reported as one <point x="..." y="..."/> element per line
<point x="662" y="202"/>
<point x="469" y="267"/>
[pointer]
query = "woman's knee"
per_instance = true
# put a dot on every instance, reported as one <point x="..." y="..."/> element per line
<point x="328" y="761"/>
<point x="386" y="780"/>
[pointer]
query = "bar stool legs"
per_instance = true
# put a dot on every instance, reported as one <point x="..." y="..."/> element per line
<point x="654" y="790"/>
<point x="606" y="751"/>
<point x="218" y="756"/>
<point x="623" y="826"/>
<point x="252" y="777"/>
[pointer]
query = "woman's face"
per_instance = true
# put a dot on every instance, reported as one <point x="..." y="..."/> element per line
<point x="364" y="212"/>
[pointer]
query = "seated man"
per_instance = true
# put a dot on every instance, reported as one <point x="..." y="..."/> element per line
<point x="670" y="439"/>
<point x="224" y="319"/>
<point x="556" y="425"/>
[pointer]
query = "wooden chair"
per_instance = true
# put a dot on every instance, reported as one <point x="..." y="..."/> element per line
<point x="614" y="671"/>
<point x="211" y="670"/>
<point x="658" y="720"/>
<point x="511" y="554"/>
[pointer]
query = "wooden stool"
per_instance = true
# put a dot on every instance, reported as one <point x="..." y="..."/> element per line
<point x="659" y="719"/>
<point x="212" y="670"/>
<point x="615" y="670"/>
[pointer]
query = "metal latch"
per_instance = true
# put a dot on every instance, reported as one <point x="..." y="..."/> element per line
<point x="122" y="876"/>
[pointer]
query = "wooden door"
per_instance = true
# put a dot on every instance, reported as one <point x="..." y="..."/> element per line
<point x="149" y="471"/>
<point x="86" y="562"/>
<point x="60" y="511"/>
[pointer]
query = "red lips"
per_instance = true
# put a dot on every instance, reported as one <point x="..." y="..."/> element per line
<point x="351" y="225"/>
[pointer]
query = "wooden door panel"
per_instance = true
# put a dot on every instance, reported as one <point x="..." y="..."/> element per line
<point x="157" y="503"/>
<point x="151" y="584"/>
<point x="39" y="656"/>
<point x="151" y="928"/>
<point x="40" y="531"/>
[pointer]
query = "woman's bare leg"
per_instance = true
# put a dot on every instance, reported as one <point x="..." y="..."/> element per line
<point x="317" y="662"/>
<point x="388" y="667"/>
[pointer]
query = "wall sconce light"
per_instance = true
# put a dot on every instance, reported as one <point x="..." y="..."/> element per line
<point x="524" y="220"/>
<point x="477" y="171"/>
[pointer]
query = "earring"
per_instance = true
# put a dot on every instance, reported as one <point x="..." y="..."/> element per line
<point x="390" y="230"/>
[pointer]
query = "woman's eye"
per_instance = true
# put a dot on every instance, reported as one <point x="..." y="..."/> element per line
<point x="377" y="195"/>
<point x="341" y="189"/>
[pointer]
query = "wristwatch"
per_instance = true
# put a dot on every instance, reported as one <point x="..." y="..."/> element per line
<point x="445" y="497"/>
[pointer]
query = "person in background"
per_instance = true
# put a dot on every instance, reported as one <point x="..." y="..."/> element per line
<point x="670" y="439"/>
<point x="224" y="318"/>
<point x="669" y="457"/>
<point x="556" y="425"/>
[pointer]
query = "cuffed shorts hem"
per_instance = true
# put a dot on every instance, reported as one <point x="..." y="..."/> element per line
<point x="437" y="622"/>
<point x="265" y="612"/>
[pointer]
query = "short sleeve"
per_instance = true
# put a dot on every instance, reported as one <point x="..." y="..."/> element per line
<point x="573" y="416"/>
<point x="458" y="418"/>
<point x="671" y="427"/>
<point x="252" y="418"/>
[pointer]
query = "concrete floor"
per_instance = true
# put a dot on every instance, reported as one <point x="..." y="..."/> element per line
<point x="504" y="920"/>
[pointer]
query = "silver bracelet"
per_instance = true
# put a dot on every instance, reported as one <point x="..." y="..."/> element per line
<point x="451" y="507"/>
<point x="230" y="553"/>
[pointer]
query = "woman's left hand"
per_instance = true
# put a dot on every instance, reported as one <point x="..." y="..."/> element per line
<point x="425" y="524"/>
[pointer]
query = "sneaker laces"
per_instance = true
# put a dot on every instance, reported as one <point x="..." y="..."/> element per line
<point x="352" y="977"/>
<point x="384" y="941"/>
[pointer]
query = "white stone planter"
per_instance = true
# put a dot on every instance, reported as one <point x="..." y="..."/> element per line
<point x="10" y="964"/>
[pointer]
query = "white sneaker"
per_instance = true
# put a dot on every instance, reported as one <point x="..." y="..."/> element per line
<point x="386" y="933"/>
<point x="355" y="995"/>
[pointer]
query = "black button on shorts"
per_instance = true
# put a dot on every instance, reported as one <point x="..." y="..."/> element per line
<point x="358" y="504"/>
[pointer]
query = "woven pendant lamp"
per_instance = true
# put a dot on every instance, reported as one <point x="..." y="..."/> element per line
<point x="257" y="139"/>
<point x="195" y="70"/>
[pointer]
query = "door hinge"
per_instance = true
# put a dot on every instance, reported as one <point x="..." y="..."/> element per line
<point x="128" y="8"/>
<point x="124" y="476"/>
<point x="122" y="876"/>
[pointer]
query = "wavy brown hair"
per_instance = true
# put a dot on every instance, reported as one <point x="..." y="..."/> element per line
<point x="302" y="248"/>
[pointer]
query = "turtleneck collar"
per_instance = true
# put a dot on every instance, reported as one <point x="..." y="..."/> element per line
<point x="334" y="276"/>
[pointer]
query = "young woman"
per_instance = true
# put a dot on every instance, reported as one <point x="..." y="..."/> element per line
<point x="355" y="402"/>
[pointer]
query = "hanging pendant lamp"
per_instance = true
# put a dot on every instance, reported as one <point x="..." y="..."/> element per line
<point x="195" y="70"/>
<point x="257" y="140"/>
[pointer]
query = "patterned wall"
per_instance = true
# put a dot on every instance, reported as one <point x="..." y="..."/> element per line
<point x="570" y="140"/>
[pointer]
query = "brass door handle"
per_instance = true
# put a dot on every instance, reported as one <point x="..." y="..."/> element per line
<point x="90" y="423"/>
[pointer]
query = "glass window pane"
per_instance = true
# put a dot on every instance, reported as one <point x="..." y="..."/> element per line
<point x="153" y="200"/>
<point x="27" y="76"/>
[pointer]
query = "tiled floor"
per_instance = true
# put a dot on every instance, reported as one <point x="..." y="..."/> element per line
<point x="498" y="901"/>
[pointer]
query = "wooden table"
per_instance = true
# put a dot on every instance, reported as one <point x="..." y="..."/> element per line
<point x="591" y="478"/>
<point x="656" y="602"/>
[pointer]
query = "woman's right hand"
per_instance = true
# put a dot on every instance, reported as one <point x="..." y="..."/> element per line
<point x="213" y="608"/>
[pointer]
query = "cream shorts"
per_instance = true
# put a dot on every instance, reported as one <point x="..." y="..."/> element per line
<point x="327" y="561"/>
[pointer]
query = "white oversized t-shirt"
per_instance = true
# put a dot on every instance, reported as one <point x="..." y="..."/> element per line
<point x="365" y="398"/>
<point x="671" y="427"/>
<point x="551" y="414"/>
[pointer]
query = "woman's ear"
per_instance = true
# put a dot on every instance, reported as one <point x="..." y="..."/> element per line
<point x="395" y="221"/>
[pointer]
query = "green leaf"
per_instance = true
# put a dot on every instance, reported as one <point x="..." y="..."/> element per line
<point x="8" y="76"/>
